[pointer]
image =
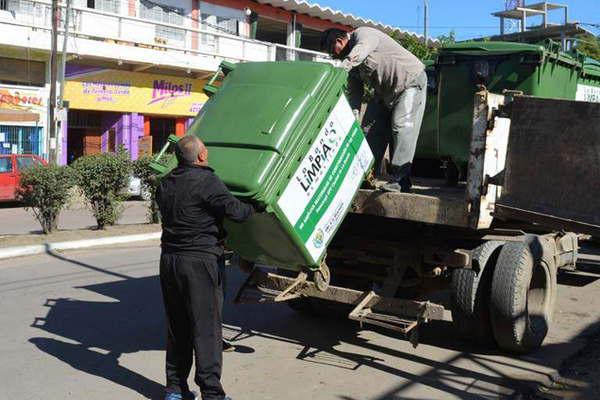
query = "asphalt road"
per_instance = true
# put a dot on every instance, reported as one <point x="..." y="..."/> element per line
<point x="15" y="220"/>
<point x="89" y="325"/>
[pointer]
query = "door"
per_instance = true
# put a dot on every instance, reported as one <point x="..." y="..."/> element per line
<point x="112" y="141"/>
<point x="160" y="129"/>
<point x="92" y="143"/>
<point x="552" y="168"/>
<point x="8" y="178"/>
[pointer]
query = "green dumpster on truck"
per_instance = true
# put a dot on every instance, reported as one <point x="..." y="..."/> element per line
<point x="282" y="136"/>
<point x="537" y="70"/>
<point x="588" y="87"/>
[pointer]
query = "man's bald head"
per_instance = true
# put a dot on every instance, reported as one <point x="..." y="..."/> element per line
<point x="191" y="150"/>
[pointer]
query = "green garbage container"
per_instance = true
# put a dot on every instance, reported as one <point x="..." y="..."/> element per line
<point x="588" y="88"/>
<point x="282" y="136"/>
<point x="537" y="70"/>
<point x="427" y="143"/>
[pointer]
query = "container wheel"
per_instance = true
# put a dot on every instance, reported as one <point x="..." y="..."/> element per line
<point x="523" y="295"/>
<point x="470" y="288"/>
<point x="322" y="277"/>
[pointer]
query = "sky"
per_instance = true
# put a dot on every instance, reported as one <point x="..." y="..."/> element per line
<point x="468" y="18"/>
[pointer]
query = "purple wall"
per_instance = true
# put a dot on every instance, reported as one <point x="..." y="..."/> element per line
<point x="64" y="128"/>
<point x="109" y="121"/>
<point x="128" y="129"/>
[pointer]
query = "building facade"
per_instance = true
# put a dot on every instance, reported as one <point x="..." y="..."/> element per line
<point x="135" y="69"/>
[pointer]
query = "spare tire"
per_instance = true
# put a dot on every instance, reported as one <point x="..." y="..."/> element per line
<point x="470" y="289"/>
<point x="523" y="294"/>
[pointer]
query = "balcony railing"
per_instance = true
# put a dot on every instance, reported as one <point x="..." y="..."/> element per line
<point x="99" y="25"/>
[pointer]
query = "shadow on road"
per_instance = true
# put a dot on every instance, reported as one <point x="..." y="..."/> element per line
<point x="94" y="334"/>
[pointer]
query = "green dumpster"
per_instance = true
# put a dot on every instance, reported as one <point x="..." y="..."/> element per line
<point x="428" y="136"/>
<point x="588" y="88"/>
<point x="282" y="136"/>
<point x="537" y="70"/>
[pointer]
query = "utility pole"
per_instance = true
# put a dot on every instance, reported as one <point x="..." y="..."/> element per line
<point x="63" y="58"/>
<point x="52" y="145"/>
<point x="425" y="19"/>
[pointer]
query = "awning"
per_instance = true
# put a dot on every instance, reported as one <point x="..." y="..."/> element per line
<point x="327" y="13"/>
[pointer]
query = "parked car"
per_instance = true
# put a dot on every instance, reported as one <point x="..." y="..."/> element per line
<point x="11" y="166"/>
<point x="135" y="189"/>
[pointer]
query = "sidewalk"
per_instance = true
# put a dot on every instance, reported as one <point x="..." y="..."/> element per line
<point x="14" y="220"/>
<point x="71" y="235"/>
<point x="20" y="233"/>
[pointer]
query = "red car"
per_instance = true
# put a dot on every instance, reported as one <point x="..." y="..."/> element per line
<point x="10" y="167"/>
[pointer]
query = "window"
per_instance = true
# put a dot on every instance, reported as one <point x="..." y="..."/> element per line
<point x="219" y="19"/>
<point x="5" y="165"/>
<point x="166" y="14"/>
<point x="111" y="6"/>
<point x="22" y="72"/>
<point x="17" y="6"/>
<point x="26" y="162"/>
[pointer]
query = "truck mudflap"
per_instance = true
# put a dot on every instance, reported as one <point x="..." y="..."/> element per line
<point x="552" y="171"/>
<point x="399" y="315"/>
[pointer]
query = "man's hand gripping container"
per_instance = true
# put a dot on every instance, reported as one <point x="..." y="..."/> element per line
<point x="282" y="136"/>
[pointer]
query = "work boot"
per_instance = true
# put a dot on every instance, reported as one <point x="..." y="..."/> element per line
<point x="402" y="185"/>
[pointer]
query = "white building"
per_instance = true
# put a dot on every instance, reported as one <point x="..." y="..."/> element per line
<point x="136" y="68"/>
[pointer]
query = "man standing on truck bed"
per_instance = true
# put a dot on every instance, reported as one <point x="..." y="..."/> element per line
<point x="193" y="202"/>
<point x="400" y="84"/>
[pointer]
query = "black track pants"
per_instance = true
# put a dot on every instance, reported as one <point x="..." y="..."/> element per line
<point x="193" y="297"/>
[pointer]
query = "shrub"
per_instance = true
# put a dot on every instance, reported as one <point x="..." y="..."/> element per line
<point x="102" y="179"/>
<point x="142" y="170"/>
<point x="45" y="191"/>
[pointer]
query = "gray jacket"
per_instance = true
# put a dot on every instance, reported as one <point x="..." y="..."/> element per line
<point x="378" y="60"/>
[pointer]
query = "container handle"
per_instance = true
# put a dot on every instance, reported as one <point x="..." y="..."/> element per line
<point x="225" y="68"/>
<point x="156" y="164"/>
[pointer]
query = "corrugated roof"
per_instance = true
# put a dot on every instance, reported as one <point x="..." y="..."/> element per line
<point x="316" y="10"/>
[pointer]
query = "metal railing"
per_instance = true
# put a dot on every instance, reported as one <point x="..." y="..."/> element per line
<point x="104" y="26"/>
<point x="21" y="140"/>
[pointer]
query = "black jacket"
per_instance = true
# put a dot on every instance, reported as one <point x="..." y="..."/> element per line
<point x="193" y="202"/>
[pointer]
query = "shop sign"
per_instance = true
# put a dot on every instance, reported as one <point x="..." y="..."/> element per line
<point x="125" y="91"/>
<point x="22" y="99"/>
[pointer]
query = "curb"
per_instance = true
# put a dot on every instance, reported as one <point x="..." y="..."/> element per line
<point x="20" y="251"/>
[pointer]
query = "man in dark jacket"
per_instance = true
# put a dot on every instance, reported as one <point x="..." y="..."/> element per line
<point x="193" y="202"/>
<point x="400" y="83"/>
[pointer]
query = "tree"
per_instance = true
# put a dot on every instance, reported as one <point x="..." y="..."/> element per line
<point x="413" y="44"/>
<point x="45" y="191"/>
<point x="416" y="46"/>
<point x="444" y="40"/>
<point x="102" y="179"/>
<point x="589" y="45"/>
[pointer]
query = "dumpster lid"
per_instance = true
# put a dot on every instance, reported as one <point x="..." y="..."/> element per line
<point x="492" y="48"/>
<point x="248" y="123"/>
<point x="591" y="67"/>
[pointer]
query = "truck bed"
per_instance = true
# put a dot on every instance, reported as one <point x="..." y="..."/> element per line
<point x="430" y="202"/>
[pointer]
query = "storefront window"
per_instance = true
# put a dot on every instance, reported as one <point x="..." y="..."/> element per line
<point x="16" y="139"/>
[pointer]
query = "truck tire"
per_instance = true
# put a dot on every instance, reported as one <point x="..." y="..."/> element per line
<point x="470" y="293"/>
<point x="523" y="295"/>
